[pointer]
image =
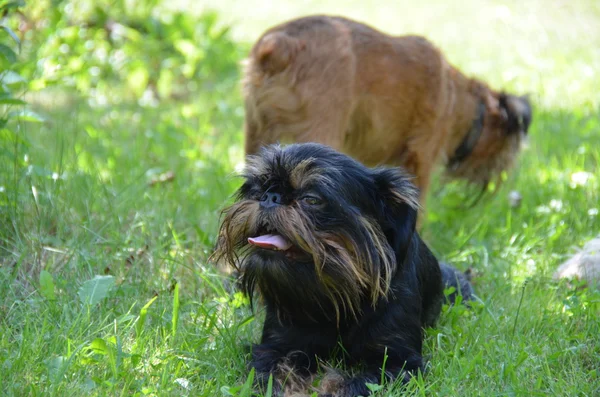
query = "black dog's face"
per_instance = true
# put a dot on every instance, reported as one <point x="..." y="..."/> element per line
<point x="316" y="232"/>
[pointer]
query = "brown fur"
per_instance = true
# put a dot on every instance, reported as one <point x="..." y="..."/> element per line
<point x="378" y="98"/>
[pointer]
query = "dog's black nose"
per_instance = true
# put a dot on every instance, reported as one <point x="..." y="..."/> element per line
<point x="270" y="199"/>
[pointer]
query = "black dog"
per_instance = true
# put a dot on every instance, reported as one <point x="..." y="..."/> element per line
<point x="331" y="248"/>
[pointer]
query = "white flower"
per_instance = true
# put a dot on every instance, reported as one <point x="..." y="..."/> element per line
<point x="556" y="205"/>
<point x="580" y="178"/>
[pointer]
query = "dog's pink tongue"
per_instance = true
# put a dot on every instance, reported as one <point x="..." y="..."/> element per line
<point x="270" y="241"/>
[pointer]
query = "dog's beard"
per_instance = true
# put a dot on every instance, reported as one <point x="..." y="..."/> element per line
<point x="321" y="268"/>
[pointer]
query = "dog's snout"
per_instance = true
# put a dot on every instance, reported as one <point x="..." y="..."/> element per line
<point x="270" y="199"/>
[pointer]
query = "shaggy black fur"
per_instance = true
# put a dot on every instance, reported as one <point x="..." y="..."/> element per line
<point x="358" y="282"/>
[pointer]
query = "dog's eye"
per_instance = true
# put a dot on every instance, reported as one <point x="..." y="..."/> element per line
<point x="311" y="200"/>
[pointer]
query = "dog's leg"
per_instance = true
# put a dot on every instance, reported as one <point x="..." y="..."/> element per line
<point x="421" y="170"/>
<point x="274" y="357"/>
<point x="393" y="354"/>
<point x="290" y="372"/>
<point x="265" y="360"/>
<point x="403" y="360"/>
<point x="252" y="142"/>
<point x="420" y="161"/>
<point x="253" y="139"/>
<point x="357" y="386"/>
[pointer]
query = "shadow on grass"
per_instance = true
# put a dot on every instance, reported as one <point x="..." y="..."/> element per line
<point x="558" y="177"/>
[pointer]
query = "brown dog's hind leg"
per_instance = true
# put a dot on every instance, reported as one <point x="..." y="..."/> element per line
<point x="252" y="142"/>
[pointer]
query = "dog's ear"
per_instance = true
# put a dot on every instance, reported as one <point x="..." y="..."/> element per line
<point x="516" y="111"/>
<point x="276" y="50"/>
<point x="398" y="208"/>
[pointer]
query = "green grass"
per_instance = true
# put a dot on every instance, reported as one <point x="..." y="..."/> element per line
<point x="76" y="201"/>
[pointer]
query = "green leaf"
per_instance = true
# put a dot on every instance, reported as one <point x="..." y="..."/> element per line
<point x="26" y="115"/>
<point x="246" y="390"/>
<point x="11" y="4"/>
<point x="8" y="53"/>
<point x="139" y="325"/>
<point x="6" y="98"/>
<point x="175" y="309"/>
<point x="47" y="285"/>
<point x="187" y="48"/>
<point x="96" y="289"/>
<point x="99" y="346"/>
<point x="55" y="366"/>
<point x="11" y="33"/>
<point x="229" y="391"/>
<point x="138" y="79"/>
<point x="12" y="101"/>
<point x="136" y="359"/>
<point x="269" y="392"/>
<point x="8" y="77"/>
<point x="374" y="387"/>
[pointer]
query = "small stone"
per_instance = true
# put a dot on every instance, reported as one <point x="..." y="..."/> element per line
<point x="583" y="265"/>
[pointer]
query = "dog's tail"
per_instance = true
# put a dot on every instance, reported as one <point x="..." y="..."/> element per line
<point x="276" y="51"/>
<point x="452" y="277"/>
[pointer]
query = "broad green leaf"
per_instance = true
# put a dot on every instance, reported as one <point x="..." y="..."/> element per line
<point x="7" y="99"/>
<point x="8" y="77"/>
<point x="11" y="4"/>
<point x="26" y="115"/>
<point x="12" y="101"/>
<point x="55" y="366"/>
<point x="37" y="84"/>
<point x="47" y="285"/>
<point x="8" y="53"/>
<point x="229" y="391"/>
<point x="12" y="34"/>
<point x="99" y="346"/>
<point x="96" y="289"/>
<point x="374" y="387"/>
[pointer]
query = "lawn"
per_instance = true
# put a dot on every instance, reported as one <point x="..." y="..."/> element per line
<point x="109" y="210"/>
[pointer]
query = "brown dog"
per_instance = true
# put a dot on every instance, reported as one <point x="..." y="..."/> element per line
<point x="380" y="99"/>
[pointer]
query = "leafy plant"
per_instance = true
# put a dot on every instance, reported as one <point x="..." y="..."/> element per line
<point x="94" y="45"/>
<point x="47" y="286"/>
<point x="12" y="106"/>
<point x="10" y="80"/>
<point x="95" y="290"/>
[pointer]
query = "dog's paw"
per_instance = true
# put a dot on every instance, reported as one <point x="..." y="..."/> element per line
<point x="331" y="383"/>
